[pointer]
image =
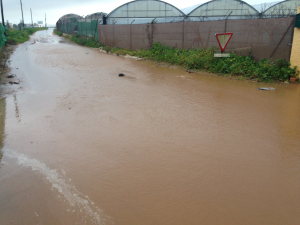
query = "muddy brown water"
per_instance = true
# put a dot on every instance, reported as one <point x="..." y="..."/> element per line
<point x="82" y="145"/>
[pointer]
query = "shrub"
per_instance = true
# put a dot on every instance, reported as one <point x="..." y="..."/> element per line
<point x="203" y="59"/>
<point x="89" y="42"/>
<point x="15" y="36"/>
<point x="11" y="42"/>
<point x="55" y="31"/>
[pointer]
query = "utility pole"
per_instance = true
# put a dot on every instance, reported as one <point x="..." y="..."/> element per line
<point x="2" y="17"/>
<point x="31" y="18"/>
<point x="22" y="13"/>
<point x="45" y="21"/>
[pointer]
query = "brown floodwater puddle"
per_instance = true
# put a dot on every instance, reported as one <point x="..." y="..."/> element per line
<point x="82" y="145"/>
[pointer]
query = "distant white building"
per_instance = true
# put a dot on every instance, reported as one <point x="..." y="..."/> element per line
<point x="40" y="23"/>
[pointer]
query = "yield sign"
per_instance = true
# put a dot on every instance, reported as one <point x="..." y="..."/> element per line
<point x="223" y="40"/>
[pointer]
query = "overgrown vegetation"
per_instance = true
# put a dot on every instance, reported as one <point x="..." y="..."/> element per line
<point x="55" y="31"/>
<point x="85" y="41"/>
<point x="15" y="36"/>
<point x="89" y="42"/>
<point x="203" y="59"/>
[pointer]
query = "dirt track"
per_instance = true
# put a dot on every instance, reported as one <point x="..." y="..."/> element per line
<point x="157" y="146"/>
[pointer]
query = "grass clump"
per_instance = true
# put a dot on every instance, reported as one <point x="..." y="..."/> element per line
<point x="15" y="36"/>
<point x="89" y="42"/>
<point x="264" y="70"/>
<point x="58" y="32"/>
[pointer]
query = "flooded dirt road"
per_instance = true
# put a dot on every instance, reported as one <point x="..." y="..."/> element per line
<point x="82" y="145"/>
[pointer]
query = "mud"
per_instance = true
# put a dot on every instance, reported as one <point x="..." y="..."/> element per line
<point x="6" y="77"/>
<point x="82" y="145"/>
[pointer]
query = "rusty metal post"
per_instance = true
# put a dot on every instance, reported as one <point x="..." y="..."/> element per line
<point x="114" y="33"/>
<point x="226" y="21"/>
<point x="131" y="35"/>
<point x="183" y="32"/>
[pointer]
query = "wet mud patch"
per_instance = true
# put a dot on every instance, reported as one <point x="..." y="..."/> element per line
<point x="10" y="82"/>
<point x="42" y="39"/>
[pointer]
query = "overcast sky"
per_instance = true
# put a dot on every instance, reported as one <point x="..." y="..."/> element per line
<point x="57" y="8"/>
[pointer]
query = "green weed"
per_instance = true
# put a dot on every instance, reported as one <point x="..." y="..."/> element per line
<point x="89" y="42"/>
<point x="15" y="36"/>
<point x="203" y="59"/>
<point x="244" y="67"/>
<point x="57" y="32"/>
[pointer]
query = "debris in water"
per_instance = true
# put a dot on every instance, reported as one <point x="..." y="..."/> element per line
<point x="266" y="89"/>
<point x="10" y="76"/>
<point x="132" y="57"/>
<point x="121" y="74"/>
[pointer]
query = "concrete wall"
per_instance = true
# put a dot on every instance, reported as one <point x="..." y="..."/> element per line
<point x="264" y="38"/>
<point x="295" y="55"/>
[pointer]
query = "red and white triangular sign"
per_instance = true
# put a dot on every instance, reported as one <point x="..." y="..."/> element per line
<point x="223" y="40"/>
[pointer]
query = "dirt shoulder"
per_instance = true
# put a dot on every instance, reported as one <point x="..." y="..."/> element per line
<point x="8" y="80"/>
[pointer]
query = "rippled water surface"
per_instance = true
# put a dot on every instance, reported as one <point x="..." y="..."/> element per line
<point x="82" y="145"/>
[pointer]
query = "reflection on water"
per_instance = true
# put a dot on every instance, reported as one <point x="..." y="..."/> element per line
<point x="2" y="124"/>
<point x="17" y="109"/>
<point x="74" y="198"/>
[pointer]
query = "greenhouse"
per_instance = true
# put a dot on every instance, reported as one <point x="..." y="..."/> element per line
<point x="223" y="9"/>
<point x="145" y="11"/>
<point x="88" y="26"/>
<point x="68" y="23"/>
<point x="282" y="9"/>
<point x="156" y="11"/>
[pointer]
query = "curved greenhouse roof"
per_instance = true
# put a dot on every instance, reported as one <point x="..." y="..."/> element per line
<point x="71" y="15"/>
<point x="263" y="6"/>
<point x="145" y="11"/>
<point x="189" y="9"/>
<point x="220" y="9"/>
<point x="285" y="8"/>
<point x="96" y="15"/>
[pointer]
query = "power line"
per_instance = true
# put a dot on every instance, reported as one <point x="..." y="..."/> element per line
<point x="24" y="7"/>
<point x="32" y="12"/>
